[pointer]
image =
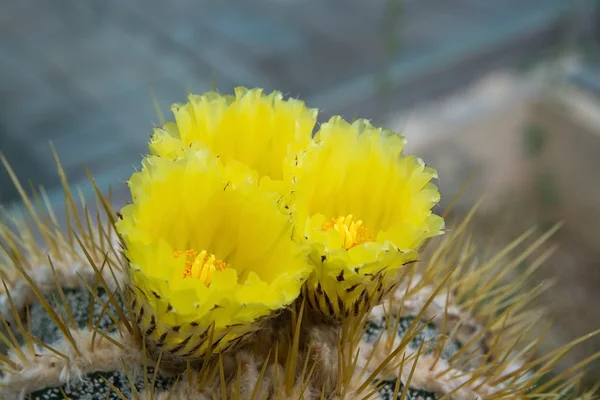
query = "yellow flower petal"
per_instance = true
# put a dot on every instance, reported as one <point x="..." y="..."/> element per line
<point x="209" y="249"/>
<point x="263" y="131"/>
<point x="365" y="209"/>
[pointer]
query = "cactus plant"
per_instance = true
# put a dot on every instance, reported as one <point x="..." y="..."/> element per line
<point x="82" y="319"/>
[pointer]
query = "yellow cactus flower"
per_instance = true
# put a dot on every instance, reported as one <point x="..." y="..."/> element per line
<point x="264" y="132"/>
<point x="365" y="209"/>
<point x="210" y="253"/>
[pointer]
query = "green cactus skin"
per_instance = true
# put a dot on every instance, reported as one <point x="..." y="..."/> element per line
<point x="430" y="333"/>
<point x="92" y="386"/>
<point x="387" y="386"/>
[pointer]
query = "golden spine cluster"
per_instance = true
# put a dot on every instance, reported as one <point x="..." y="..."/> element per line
<point x="312" y="271"/>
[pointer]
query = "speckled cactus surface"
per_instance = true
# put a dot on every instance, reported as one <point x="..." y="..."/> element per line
<point x="259" y="261"/>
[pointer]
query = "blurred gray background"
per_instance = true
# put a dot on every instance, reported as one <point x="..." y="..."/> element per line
<point x="506" y="92"/>
<point x="81" y="74"/>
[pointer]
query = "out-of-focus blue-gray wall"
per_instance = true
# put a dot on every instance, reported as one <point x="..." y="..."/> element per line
<point x="82" y="74"/>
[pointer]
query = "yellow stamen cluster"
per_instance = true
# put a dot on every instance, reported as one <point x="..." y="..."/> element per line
<point x="356" y="169"/>
<point x="352" y="232"/>
<point x="211" y="253"/>
<point x="200" y="266"/>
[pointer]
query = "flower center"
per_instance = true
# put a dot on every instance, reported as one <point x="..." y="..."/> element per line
<point x="201" y="265"/>
<point x="351" y="231"/>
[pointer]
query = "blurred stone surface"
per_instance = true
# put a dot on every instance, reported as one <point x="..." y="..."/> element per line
<point x="81" y="74"/>
<point x="535" y="159"/>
